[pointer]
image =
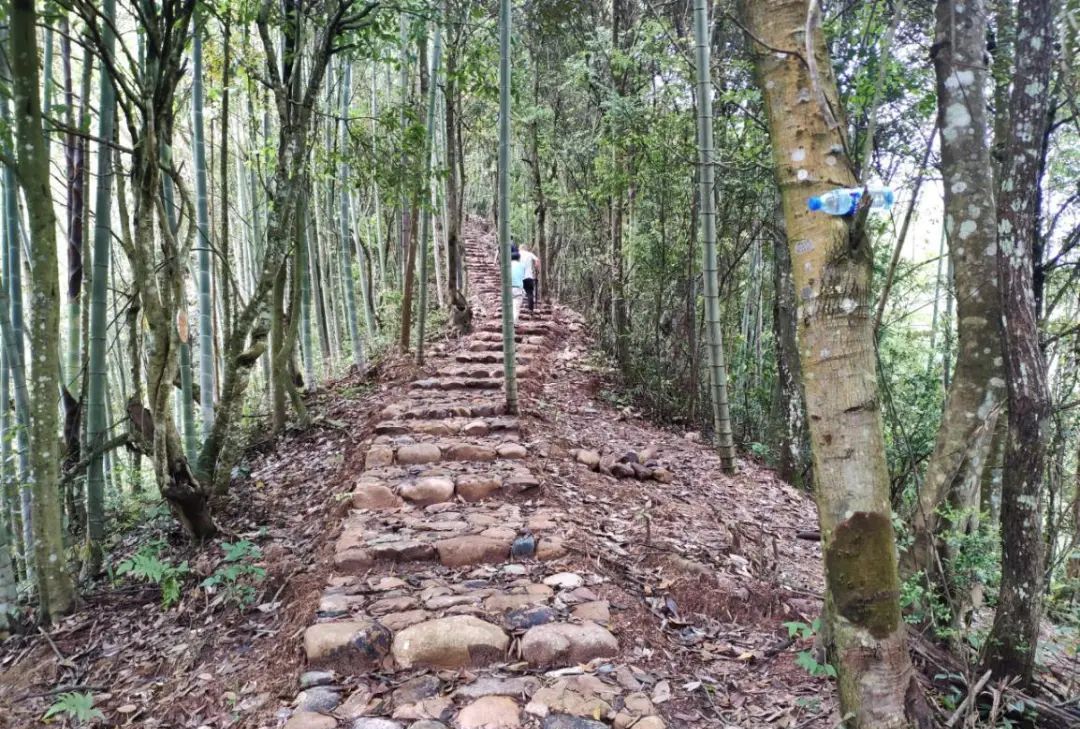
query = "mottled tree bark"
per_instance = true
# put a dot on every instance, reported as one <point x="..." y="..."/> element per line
<point x="832" y="269"/>
<point x="977" y="387"/>
<point x="1010" y="649"/>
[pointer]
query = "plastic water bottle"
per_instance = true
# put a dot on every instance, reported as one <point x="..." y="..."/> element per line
<point x="844" y="200"/>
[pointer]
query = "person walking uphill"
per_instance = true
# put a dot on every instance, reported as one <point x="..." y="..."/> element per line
<point x="532" y="271"/>
<point x="517" y="280"/>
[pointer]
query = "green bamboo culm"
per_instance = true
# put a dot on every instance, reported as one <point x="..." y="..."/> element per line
<point x="509" y="373"/>
<point x="349" y="285"/>
<point x="202" y="221"/>
<point x="303" y="260"/>
<point x="13" y="307"/>
<point x="96" y="425"/>
<point x="717" y="368"/>
<point x="425" y="227"/>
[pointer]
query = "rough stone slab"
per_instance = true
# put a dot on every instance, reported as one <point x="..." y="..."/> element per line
<point x="470" y="452"/>
<point x="469" y="550"/>
<point x="455" y="642"/>
<point x="477" y="487"/>
<point x="347" y="643"/>
<point x="378" y="456"/>
<point x="375" y="496"/>
<point x="428" y="490"/>
<point x="490" y="686"/>
<point x="563" y="644"/>
<point x="416" y="453"/>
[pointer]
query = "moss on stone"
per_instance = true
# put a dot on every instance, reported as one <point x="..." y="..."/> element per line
<point x="862" y="574"/>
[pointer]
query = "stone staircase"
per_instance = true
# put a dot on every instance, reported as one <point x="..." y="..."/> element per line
<point x="451" y="602"/>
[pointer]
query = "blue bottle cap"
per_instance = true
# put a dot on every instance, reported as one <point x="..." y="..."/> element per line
<point x="814" y="204"/>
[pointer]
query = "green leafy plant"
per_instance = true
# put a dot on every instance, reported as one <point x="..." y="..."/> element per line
<point x="146" y="565"/>
<point x="79" y="707"/>
<point x="805" y="659"/>
<point x="238" y="575"/>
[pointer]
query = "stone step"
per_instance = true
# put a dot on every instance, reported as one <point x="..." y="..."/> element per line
<point x="447" y="426"/>
<point x="457" y="383"/>
<point x="496" y="336"/>
<point x="493" y="345"/>
<point x="489" y="357"/>
<point x="442" y="410"/>
<point x="523" y="328"/>
<point x="422" y="623"/>
<point x="478" y="371"/>
<point x="454" y="534"/>
<point x="380" y="455"/>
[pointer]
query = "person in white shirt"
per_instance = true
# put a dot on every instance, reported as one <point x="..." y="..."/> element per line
<point x="532" y="270"/>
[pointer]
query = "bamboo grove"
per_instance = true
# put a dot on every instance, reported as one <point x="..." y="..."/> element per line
<point x="247" y="199"/>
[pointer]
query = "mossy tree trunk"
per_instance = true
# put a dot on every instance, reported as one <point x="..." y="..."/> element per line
<point x="833" y="265"/>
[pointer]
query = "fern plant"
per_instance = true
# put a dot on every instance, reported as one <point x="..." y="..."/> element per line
<point x="73" y="705"/>
<point x="238" y="576"/>
<point x="805" y="659"/>
<point x="146" y="565"/>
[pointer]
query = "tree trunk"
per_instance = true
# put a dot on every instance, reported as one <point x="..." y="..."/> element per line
<point x="202" y="211"/>
<point x="348" y="290"/>
<point x="73" y="152"/>
<point x="977" y="386"/>
<point x="1014" y="638"/>
<point x="425" y="181"/>
<point x="717" y="367"/>
<point x="97" y="425"/>
<point x="794" y="444"/>
<point x="833" y="265"/>
<point x="303" y="256"/>
<point x="453" y="188"/>
<point x="503" y="187"/>
<point x="56" y="590"/>
<point x="279" y="373"/>
<point x="17" y="358"/>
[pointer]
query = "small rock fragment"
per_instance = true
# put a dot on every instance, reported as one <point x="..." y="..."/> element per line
<point x="490" y="712"/>
<point x="564" y="580"/>
<point x="310" y="720"/>
<point x="588" y="458"/>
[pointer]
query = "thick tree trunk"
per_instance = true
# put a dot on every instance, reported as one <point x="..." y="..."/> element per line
<point x="832" y="270"/>
<point x="1014" y="638"/>
<point x="977" y="387"/>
